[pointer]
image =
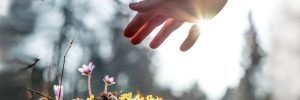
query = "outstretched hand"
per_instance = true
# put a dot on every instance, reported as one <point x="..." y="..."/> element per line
<point x="152" y="13"/>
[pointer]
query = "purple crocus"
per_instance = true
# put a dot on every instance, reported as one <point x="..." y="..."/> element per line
<point x="86" y="69"/>
<point x="109" y="80"/>
<point x="56" y="89"/>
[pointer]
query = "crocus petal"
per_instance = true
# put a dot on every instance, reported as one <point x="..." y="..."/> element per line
<point x="84" y="67"/>
<point x="106" y="78"/>
<point x="90" y="64"/>
<point x="56" y="91"/>
<point x="83" y="73"/>
<point x="92" y="67"/>
<point x="111" y="79"/>
<point x="113" y="82"/>
<point x="80" y="70"/>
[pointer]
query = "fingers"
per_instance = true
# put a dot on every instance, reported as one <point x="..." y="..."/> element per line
<point x="137" y="22"/>
<point x="167" y="29"/>
<point x="146" y="5"/>
<point x="191" y="39"/>
<point x="147" y="28"/>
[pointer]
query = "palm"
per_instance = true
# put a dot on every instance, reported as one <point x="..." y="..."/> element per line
<point x="152" y="13"/>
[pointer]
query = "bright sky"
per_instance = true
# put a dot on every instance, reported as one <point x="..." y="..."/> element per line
<point x="3" y="7"/>
<point x="214" y="61"/>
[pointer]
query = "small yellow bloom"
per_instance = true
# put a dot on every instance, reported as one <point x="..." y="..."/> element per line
<point x="77" y="99"/>
<point x="139" y="97"/>
<point x="92" y="97"/>
<point x="127" y="96"/>
<point x="150" y="97"/>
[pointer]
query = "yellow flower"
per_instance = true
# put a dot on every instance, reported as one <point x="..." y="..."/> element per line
<point x="139" y="97"/>
<point x="127" y="96"/>
<point x="77" y="99"/>
<point x="150" y="97"/>
<point x="92" y="97"/>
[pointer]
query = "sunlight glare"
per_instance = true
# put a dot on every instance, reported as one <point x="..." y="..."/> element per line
<point x="213" y="61"/>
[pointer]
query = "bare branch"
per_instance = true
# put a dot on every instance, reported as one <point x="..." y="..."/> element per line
<point x="63" y="68"/>
<point x="36" y="60"/>
<point x="39" y="93"/>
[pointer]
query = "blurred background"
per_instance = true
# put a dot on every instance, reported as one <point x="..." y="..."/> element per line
<point x="249" y="51"/>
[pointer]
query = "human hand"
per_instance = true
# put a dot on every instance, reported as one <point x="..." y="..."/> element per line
<point x="152" y="13"/>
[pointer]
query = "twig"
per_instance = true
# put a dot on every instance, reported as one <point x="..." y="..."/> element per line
<point x="63" y="68"/>
<point x="36" y="60"/>
<point x="39" y="93"/>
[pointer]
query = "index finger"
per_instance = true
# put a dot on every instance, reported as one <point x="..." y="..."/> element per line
<point x="136" y="23"/>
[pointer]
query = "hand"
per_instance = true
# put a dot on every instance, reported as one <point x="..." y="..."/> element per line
<point x="152" y="13"/>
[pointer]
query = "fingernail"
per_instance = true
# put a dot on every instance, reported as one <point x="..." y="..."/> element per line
<point x="184" y="49"/>
<point x="153" y="46"/>
<point x="135" y="41"/>
<point x="133" y="4"/>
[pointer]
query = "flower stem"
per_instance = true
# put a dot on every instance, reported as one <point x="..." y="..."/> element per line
<point x="89" y="84"/>
<point x="105" y="88"/>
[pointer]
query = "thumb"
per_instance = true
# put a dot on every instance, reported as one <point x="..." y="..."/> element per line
<point x="146" y="5"/>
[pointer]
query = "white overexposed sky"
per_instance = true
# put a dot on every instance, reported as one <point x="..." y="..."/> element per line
<point x="214" y="61"/>
<point x="4" y="7"/>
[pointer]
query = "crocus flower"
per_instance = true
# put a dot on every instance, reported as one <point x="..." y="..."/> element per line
<point x="56" y="92"/>
<point x="109" y="80"/>
<point x="86" y="69"/>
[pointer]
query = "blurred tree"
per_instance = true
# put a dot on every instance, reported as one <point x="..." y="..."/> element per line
<point x="13" y="27"/>
<point x="250" y="87"/>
